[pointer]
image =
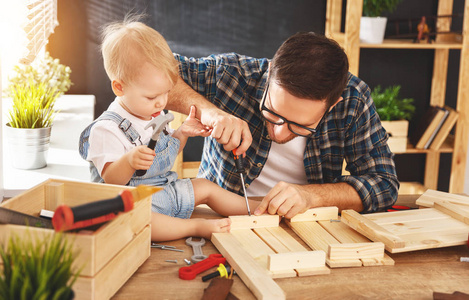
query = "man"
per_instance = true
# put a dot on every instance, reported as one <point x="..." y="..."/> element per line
<point x="296" y="118"/>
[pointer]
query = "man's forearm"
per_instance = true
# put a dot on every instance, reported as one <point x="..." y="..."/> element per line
<point x="341" y="194"/>
<point x="182" y="97"/>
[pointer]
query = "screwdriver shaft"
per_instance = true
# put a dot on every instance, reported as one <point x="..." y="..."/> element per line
<point x="245" y="195"/>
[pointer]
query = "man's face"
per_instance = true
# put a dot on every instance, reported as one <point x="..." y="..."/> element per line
<point x="305" y="112"/>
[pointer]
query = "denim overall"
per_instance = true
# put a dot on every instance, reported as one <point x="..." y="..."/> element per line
<point x="177" y="197"/>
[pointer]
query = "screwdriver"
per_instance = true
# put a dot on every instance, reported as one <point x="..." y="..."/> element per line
<point x="239" y="163"/>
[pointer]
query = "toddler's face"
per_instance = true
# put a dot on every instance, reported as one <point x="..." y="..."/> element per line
<point x="148" y="95"/>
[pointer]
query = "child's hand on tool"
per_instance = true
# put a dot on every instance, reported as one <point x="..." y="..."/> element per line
<point x="140" y="157"/>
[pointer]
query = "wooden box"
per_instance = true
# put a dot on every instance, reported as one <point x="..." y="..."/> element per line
<point x="397" y="131"/>
<point x="108" y="256"/>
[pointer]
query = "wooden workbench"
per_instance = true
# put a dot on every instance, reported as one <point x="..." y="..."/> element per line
<point x="415" y="275"/>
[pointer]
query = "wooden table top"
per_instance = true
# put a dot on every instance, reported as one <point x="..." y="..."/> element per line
<point x="415" y="275"/>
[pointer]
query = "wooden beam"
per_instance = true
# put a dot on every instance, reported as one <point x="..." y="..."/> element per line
<point x="428" y="198"/>
<point x="256" y="278"/>
<point x="249" y="222"/>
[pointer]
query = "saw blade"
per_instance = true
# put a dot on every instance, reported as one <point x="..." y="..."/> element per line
<point x="8" y="216"/>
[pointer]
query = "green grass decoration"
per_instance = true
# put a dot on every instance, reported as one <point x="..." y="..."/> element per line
<point x="37" y="270"/>
<point x="33" y="105"/>
<point x="390" y="107"/>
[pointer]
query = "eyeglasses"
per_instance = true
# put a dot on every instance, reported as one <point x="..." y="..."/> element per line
<point x="277" y="119"/>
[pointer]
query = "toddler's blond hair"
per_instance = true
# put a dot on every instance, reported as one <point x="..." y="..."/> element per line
<point x="129" y="44"/>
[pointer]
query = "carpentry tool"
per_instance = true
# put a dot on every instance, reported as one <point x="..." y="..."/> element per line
<point x="158" y="123"/>
<point x="398" y="208"/>
<point x="8" y="216"/>
<point x="69" y="218"/>
<point x="197" y="248"/>
<point x="222" y="271"/>
<point x="189" y="272"/>
<point x="239" y="163"/>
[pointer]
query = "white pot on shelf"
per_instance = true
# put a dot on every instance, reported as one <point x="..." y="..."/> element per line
<point x="372" y="29"/>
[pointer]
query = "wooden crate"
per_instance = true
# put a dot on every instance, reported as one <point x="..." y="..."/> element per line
<point x="108" y="256"/>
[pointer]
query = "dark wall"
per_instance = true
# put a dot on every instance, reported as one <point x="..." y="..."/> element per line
<point x="255" y="28"/>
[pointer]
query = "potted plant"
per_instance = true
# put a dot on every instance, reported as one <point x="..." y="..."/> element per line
<point x="372" y="23"/>
<point x="395" y="114"/>
<point x="33" y="92"/>
<point x="37" y="269"/>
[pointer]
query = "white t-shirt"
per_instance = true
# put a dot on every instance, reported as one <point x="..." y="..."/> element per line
<point x="108" y="143"/>
<point x="284" y="163"/>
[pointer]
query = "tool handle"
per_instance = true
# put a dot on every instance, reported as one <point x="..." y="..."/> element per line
<point x="151" y="145"/>
<point x="67" y="218"/>
<point x="189" y="273"/>
<point x="239" y="162"/>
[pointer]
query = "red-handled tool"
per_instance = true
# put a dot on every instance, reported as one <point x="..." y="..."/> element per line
<point x="189" y="273"/>
<point x="239" y="163"/>
<point x="68" y="218"/>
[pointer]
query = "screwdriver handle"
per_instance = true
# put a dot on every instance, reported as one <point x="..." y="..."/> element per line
<point x="68" y="218"/>
<point x="239" y="162"/>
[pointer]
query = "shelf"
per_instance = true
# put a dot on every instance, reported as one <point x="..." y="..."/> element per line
<point x="408" y="44"/>
<point x="447" y="147"/>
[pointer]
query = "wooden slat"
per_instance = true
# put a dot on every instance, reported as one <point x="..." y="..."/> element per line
<point x="295" y="260"/>
<point x="249" y="222"/>
<point x="356" y="250"/>
<point x="333" y="16"/>
<point x="54" y="195"/>
<point x="432" y="165"/>
<point x="317" y="214"/>
<point x="256" y="278"/>
<point x="352" y="34"/>
<point x="371" y="230"/>
<point x="385" y="218"/>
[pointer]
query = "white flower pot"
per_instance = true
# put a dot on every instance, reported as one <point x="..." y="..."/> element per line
<point x="28" y="148"/>
<point x="372" y="30"/>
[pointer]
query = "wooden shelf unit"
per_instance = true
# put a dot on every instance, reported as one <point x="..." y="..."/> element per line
<point x="350" y="41"/>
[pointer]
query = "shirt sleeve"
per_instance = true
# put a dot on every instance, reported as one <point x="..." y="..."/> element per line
<point x="369" y="159"/>
<point x="105" y="145"/>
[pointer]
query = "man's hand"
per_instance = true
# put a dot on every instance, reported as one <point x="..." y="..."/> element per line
<point x="193" y="127"/>
<point x="285" y="199"/>
<point x="227" y="129"/>
<point x="140" y="157"/>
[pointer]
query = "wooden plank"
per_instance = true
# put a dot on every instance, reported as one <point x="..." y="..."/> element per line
<point x="405" y="216"/>
<point x="333" y="16"/>
<point x="317" y="214"/>
<point x="432" y="165"/>
<point x="271" y="239"/>
<point x="356" y="250"/>
<point x="428" y="198"/>
<point x="249" y="222"/>
<point x="426" y="226"/>
<point x="445" y="238"/>
<point x="286" y="239"/>
<point x="352" y="34"/>
<point x="295" y="260"/>
<point x="453" y="210"/>
<point x="256" y="278"/>
<point x="371" y="230"/>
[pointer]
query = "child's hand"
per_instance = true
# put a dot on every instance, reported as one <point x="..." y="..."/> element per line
<point x="193" y="127"/>
<point x="141" y="157"/>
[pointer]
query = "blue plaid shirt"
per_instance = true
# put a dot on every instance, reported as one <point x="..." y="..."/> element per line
<point x="351" y="131"/>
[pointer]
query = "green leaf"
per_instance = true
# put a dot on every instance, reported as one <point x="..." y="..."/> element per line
<point x="389" y="106"/>
<point x="375" y="8"/>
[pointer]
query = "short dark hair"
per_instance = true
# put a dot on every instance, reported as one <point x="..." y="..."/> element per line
<point x="311" y="66"/>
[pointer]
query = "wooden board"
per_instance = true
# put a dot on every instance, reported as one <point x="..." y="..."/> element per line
<point x="404" y="231"/>
<point x="431" y="196"/>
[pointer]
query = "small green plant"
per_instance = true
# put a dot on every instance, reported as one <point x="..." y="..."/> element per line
<point x="375" y="8"/>
<point x="389" y="106"/>
<point x="33" y="105"/>
<point x="34" y="269"/>
<point x="48" y="70"/>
